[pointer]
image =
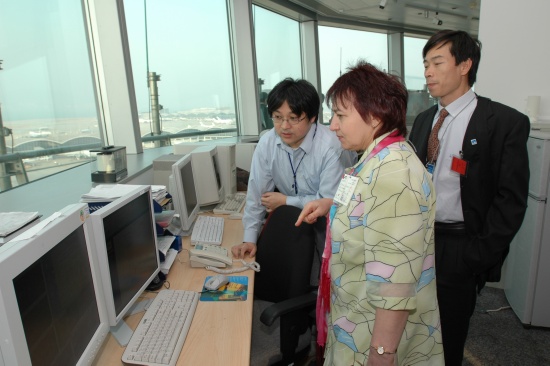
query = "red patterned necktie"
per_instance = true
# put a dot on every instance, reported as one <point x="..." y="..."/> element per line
<point x="433" y="140"/>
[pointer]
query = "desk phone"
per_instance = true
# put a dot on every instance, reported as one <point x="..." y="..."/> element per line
<point x="203" y="255"/>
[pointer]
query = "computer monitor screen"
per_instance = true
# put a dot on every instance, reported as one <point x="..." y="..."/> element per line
<point x="216" y="170"/>
<point x="52" y="310"/>
<point x="184" y="195"/>
<point x="125" y="240"/>
<point x="205" y="167"/>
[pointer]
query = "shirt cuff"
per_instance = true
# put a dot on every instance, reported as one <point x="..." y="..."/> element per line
<point x="250" y="237"/>
<point x="293" y="201"/>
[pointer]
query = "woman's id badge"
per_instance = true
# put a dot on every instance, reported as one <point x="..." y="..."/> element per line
<point x="346" y="189"/>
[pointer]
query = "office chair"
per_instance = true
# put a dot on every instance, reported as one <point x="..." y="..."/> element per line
<point x="285" y="253"/>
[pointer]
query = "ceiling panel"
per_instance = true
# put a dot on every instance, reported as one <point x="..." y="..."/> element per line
<point x="424" y="16"/>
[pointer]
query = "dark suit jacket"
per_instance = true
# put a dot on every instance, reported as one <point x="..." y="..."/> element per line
<point x="494" y="192"/>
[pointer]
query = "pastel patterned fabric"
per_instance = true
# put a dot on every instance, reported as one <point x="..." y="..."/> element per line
<point x="383" y="256"/>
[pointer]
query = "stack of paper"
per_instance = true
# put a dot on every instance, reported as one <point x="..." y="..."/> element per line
<point x="15" y="223"/>
<point x="106" y="192"/>
<point x="159" y="194"/>
<point x="167" y="255"/>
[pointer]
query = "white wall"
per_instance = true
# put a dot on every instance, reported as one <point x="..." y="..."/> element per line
<point x="515" y="57"/>
<point x="515" y="54"/>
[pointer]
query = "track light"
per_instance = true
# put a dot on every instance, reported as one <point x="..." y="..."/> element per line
<point x="383" y="4"/>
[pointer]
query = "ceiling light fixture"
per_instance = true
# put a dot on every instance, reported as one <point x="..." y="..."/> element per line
<point x="436" y="19"/>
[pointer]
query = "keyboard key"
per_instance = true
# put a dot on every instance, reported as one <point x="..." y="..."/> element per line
<point x="231" y="204"/>
<point x="159" y="337"/>
<point x="208" y="230"/>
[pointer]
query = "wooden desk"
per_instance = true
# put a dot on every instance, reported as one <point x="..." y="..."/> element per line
<point x="221" y="331"/>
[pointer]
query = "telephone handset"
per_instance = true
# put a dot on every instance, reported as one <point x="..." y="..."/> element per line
<point x="209" y="255"/>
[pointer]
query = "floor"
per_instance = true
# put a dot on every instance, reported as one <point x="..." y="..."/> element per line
<point x="496" y="337"/>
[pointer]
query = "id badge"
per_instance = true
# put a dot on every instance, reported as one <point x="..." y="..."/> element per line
<point x="345" y="189"/>
<point x="459" y="165"/>
<point x="430" y="167"/>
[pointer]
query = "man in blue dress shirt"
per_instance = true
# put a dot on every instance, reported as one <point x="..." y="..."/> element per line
<point x="297" y="161"/>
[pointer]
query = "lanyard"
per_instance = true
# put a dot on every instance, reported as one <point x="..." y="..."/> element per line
<point x="294" y="171"/>
<point x="386" y="141"/>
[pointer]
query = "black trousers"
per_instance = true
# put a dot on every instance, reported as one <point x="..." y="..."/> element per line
<point x="456" y="289"/>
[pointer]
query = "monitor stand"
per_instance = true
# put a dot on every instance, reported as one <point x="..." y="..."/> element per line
<point x="122" y="332"/>
<point x="175" y="227"/>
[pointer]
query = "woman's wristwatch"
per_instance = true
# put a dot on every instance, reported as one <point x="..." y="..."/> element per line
<point x="381" y="351"/>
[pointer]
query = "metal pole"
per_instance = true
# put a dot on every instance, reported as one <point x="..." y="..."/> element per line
<point x="5" y="179"/>
<point x="155" y="107"/>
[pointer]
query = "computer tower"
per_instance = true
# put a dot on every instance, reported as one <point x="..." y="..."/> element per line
<point x="226" y="161"/>
<point x="162" y="168"/>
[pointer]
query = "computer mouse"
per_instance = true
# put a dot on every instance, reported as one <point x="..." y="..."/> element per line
<point x="215" y="282"/>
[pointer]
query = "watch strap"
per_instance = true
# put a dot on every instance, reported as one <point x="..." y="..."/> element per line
<point x="381" y="350"/>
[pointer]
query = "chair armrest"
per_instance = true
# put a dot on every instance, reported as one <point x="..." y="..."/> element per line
<point x="271" y="313"/>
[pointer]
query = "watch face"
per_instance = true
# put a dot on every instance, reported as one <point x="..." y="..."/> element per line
<point x="380" y="350"/>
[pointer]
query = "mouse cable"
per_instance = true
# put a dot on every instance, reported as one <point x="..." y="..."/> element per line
<point x="246" y="265"/>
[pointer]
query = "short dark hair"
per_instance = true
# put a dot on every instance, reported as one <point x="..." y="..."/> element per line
<point x="373" y="92"/>
<point x="463" y="47"/>
<point x="300" y="95"/>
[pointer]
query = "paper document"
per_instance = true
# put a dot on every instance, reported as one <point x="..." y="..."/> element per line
<point x="38" y="227"/>
<point x="168" y="260"/>
<point x="106" y="192"/>
<point x="164" y="243"/>
<point x="13" y="221"/>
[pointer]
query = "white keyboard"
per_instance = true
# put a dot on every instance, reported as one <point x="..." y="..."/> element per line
<point x="231" y="204"/>
<point x="159" y="336"/>
<point x="207" y="230"/>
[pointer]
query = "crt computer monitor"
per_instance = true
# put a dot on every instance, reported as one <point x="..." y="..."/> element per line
<point x="226" y="162"/>
<point x="184" y="194"/>
<point x="52" y="310"/>
<point x="207" y="175"/>
<point x="125" y="240"/>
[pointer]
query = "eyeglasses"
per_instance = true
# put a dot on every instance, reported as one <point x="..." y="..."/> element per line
<point x="291" y="120"/>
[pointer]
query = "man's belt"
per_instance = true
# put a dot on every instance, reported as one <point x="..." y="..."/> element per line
<point x="450" y="227"/>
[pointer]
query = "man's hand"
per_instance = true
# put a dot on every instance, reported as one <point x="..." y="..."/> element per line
<point x="239" y="251"/>
<point x="272" y="200"/>
<point x="313" y="210"/>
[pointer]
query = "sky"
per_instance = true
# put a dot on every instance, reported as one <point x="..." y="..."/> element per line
<point x="46" y="68"/>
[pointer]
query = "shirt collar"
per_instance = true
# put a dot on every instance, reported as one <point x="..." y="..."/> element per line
<point x="459" y="104"/>
<point x="307" y="142"/>
<point x="371" y="147"/>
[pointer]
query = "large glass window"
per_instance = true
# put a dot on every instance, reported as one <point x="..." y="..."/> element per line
<point x="340" y="48"/>
<point x="419" y="98"/>
<point x="48" y="115"/>
<point x="277" y="42"/>
<point x="414" y="65"/>
<point x="185" y="43"/>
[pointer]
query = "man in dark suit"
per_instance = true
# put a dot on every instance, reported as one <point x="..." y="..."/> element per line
<point x="478" y="158"/>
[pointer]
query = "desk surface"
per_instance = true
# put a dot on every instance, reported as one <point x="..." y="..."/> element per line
<point x="220" y="332"/>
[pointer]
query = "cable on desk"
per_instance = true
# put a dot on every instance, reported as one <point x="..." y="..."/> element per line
<point x="255" y="266"/>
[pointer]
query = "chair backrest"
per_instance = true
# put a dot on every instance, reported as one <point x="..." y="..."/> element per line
<point x="285" y="254"/>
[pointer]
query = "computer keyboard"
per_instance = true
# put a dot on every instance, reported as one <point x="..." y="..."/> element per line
<point x="207" y="230"/>
<point x="159" y="336"/>
<point x="231" y="204"/>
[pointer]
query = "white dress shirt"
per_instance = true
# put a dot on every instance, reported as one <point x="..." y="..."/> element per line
<point x="451" y="136"/>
